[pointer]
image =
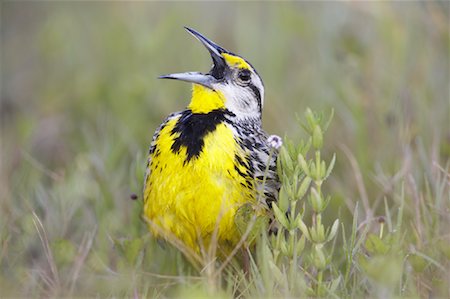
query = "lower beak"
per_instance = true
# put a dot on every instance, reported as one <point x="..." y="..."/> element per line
<point x="193" y="77"/>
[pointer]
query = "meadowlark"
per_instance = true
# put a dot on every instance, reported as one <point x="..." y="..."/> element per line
<point x="212" y="158"/>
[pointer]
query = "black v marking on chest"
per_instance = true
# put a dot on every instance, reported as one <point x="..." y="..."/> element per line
<point x="192" y="128"/>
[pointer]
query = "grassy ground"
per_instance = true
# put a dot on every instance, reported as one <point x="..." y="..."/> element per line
<point x="80" y="102"/>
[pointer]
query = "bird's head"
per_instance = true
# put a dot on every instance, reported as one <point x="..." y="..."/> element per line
<point x="232" y="83"/>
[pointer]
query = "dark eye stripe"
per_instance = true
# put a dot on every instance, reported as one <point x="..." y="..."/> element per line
<point x="257" y="94"/>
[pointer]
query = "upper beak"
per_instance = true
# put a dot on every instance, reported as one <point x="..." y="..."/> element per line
<point x="214" y="50"/>
<point x="216" y="73"/>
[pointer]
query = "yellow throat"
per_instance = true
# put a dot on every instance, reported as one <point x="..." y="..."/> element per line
<point x="205" y="100"/>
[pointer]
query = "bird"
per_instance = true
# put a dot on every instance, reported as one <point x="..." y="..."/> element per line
<point x="213" y="158"/>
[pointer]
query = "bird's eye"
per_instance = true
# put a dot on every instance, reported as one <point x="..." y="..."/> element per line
<point x="244" y="76"/>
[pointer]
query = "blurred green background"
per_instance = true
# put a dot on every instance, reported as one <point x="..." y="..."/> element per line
<point x="80" y="102"/>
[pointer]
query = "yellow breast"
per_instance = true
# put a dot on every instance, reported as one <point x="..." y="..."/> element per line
<point x="192" y="199"/>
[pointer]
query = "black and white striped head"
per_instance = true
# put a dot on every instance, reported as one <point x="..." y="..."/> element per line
<point x="232" y="77"/>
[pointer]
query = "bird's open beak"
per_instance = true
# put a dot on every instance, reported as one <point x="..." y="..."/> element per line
<point x="219" y="65"/>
